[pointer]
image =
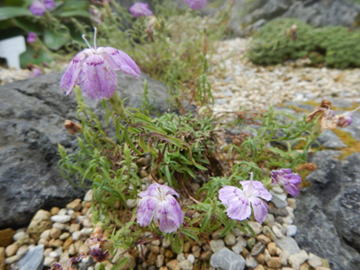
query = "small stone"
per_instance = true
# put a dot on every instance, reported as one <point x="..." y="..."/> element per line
<point x="230" y="239"/>
<point x="87" y="223"/>
<point x="74" y="205"/>
<point x="261" y="258"/>
<point x="270" y="219"/>
<point x="226" y="259"/>
<point x="216" y="245"/>
<point x="12" y="259"/>
<point x="186" y="247"/>
<point x="259" y="267"/>
<point x="160" y="260"/>
<point x="131" y="203"/>
<point x="6" y="237"/>
<point x="72" y="250"/>
<point x="88" y="196"/>
<point x="196" y="250"/>
<point x="237" y="232"/>
<point x="291" y="230"/>
<point x="268" y="232"/>
<point x="84" y="249"/>
<point x="39" y="223"/>
<point x="55" y="243"/>
<point x="263" y="239"/>
<point x="295" y="260"/>
<point x="74" y="227"/>
<point x="11" y="250"/>
<point x="277" y="231"/>
<point x="191" y="258"/>
<point x="257" y="249"/>
<point x="49" y="261"/>
<point x="205" y="256"/>
<point x="45" y="234"/>
<point x="274" y="262"/>
<point x="168" y="253"/>
<point x="86" y="231"/>
<point x="322" y="268"/>
<point x="67" y="243"/>
<point x="54" y="254"/>
<point x="59" y="226"/>
<point x="304" y="266"/>
<point x="272" y="248"/>
<point x="166" y="243"/>
<point x="20" y="235"/>
<point x="255" y="226"/>
<point x="314" y="260"/>
<point x="216" y="235"/>
<point x="64" y="236"/>
<point x="22" y="250"/>
<point x="180" y="257"/>
<point x="279" y="200"/>
<point x="277" y="189"/>
<point x="292" y="202"/>
<point x="239" y="246"/>
<point x="55" y="233"/>
<point x="288" y="244"/>
<point x="76" y="236"/>
<point x="186" y="265"/>
<point x="251" y="242"/>
<point x="61" y="218"/>
<point x="155" y="249"/>
<point x="251" y="262"/>
<point x="32" y="259"/>
<point x="54" y="211"/>
<point x="284" y="257"/>
<point x="173" y="265"/>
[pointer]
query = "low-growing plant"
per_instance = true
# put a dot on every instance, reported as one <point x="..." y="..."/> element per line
<point x="290" y="39"/>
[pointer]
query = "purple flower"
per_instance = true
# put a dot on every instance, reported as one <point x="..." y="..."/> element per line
<point x="291" y="181"/>
<point x="158" y="202"/>
<point x="196" y="4"/>
<point x="31" y="37"/>
<point x="35" y="72"/>
<point x="39" y="7"/>
<point x="239" y="202"/>
<point x="140" y="9"/>
<point x="94" y="71"/>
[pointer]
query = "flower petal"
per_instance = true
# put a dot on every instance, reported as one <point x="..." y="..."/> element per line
<point x="140" y="9"/>
<point x="260" y="209"/>
<point x="169" y="215"/>
<point x="97" y="79"/>
<point x="37" y="8"/>
<point x="196" y="4"/>
<point x="72" y="72"/>
<point x="119" y="60"/>
<point x="145" y="211"/>
<point x="227" y="193"/>
<point x="239" y="209"/>
<point x="254" y="188"/>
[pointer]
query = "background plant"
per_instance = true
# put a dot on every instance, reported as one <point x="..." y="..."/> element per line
<point x="333" y="46"/>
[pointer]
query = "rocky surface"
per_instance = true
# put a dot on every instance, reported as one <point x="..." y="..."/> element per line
<point x="327" y="214"/>
<point x="32" y="113"/>
<point x="238" y="84"/>
<point x="248" y="16"/>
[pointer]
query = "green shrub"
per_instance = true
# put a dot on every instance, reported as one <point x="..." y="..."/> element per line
<point x="335" y="47"/>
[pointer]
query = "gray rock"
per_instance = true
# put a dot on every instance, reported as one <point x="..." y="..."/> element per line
<point x="225" y="259"/>
<point x="279" y="199"/>
<point x="329" y="139"/>
<point x="288" y="244"/>
<point x="33" y="259"/>
<point x="327" y="215"/>
<point x="247" y="16"/>
<point x="32" y="113"/>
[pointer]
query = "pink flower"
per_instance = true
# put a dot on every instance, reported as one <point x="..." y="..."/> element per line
<point x="31" y="37"/>
<point x="35" y="72"/>
<point x="158" y="203"/>
<point x="94" y="69"/>
<point x="39" y="7"/>
<point x="239" y="202"/>
<point x="140" y="9"/>
<point x="291" y="181"/>
<point x="196" y="4"/>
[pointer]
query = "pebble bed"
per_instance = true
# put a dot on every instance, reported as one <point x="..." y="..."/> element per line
<point x="238" y="84"/>
<point x="61" y="234"/>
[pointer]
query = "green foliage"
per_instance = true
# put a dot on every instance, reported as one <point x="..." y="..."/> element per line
<point x="277" y="42"/>
<point x="57" y="29"/>
<point x="123" y="150"/>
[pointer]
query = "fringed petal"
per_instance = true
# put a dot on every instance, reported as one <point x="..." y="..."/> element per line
<point x="146" y="210"/>
<point x="260" y="209"/>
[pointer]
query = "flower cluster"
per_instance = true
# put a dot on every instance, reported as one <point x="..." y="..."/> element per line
<point x="94" y="69"/>
<point x="239" y="202"/>
<point x="196" y="4"/>
<point x="158" y="203"/>
<point x="140" y="9"/>
<point x="39" y="7"/>
<point x="289" y="180"/>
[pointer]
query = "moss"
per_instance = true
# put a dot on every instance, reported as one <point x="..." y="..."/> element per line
<point x="333" y="46"/>
<point x="352" y="145"/>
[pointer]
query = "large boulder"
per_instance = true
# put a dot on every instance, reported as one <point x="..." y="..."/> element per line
<point x="248" y="16"/>
<point x="32" y="113"/>
<point x="328" y="215"/>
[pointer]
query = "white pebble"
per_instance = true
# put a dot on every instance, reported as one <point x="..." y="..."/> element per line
<point x="191" y="258"/>
<point x="61" y="219"/>
<point x="76" y="235"/>
<point x="86" y="231"/>
<point x="291" y="230"/>
<point x="20" y="235"/>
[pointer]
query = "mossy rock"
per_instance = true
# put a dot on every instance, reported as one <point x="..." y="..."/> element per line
<point x="333" y="46"/>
